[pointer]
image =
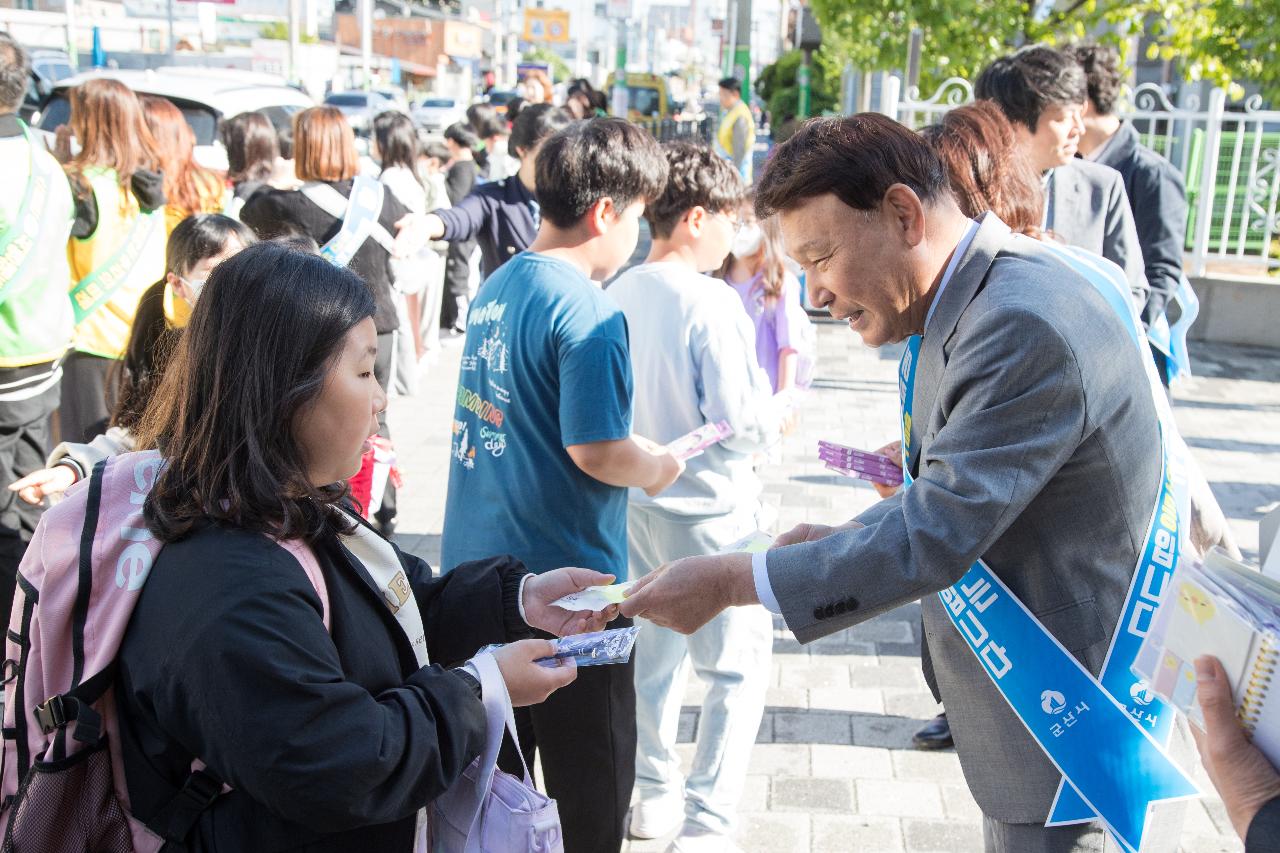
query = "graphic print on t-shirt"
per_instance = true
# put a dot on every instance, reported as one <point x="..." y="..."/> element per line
<point x="487" y="399"/>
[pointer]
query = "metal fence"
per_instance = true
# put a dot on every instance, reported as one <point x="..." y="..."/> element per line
<point x="668" y="129"/>
<point x="1230" y="161"/>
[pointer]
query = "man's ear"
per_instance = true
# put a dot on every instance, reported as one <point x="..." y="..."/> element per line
<point x="905" y="213"/>
<point x="600" y="216"/>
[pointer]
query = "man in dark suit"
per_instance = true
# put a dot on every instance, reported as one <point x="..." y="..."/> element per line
<point x="1157" y="196"/>
<point x="1042" y="91"/>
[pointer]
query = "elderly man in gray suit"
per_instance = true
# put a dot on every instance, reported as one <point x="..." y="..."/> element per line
<point x="1034" y="446"/>
<point x="1043" y="92"/>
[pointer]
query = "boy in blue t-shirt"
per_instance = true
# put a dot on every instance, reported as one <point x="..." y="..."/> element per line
<point x="542" y="451"/>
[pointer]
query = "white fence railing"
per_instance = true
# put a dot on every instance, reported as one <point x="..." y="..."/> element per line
<point x="1230" y="161"/>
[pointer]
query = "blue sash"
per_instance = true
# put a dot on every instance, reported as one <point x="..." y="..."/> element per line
<point x="1108" y="752"/>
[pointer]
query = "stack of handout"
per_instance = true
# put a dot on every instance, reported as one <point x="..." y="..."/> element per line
<point x="850" y="462"/>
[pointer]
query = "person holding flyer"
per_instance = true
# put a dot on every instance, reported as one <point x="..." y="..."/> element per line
<point x="542" y="445"/>
<point x="695" y="369"/>
<point x="1034" y="460"/>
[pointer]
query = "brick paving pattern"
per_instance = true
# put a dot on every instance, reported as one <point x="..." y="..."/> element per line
<point x="833" y="768"/>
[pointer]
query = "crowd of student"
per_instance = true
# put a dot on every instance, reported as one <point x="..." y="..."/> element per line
<point x="251" y="328"/>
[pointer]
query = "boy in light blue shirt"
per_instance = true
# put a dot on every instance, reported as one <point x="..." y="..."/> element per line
<point x="694" y="362"/>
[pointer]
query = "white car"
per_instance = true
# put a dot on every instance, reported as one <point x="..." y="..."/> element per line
<point x="206" y="96"/>
<point x="434" y="114"/>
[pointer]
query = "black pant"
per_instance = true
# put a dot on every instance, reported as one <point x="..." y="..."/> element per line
<point x="586" y="736"/>
<point x="1162" y="367"/>
<point x="457" y="284"/>
<point x="24" y="444"/>
<point x="382" y="372"/>
<point x="88" y="395"/>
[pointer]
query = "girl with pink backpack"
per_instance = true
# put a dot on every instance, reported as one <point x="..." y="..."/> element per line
<point x="211" y="651"/>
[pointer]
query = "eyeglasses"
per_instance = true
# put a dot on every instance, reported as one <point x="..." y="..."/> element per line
<point x="736" y="221"/>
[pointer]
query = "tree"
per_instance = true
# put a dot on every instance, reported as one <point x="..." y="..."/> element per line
<point x="279" y="31"/>
<point x="778" y="87"/>
<point x="1224" y="41"/>
<point x="560" y="70"/>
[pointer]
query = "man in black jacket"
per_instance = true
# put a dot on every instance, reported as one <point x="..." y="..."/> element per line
<point x="1156" y="193"/>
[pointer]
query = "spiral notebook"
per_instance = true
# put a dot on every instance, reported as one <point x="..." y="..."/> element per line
<point x="1224" y="608"/>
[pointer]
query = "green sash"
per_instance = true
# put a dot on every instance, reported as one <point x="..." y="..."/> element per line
<point x="95" y="289"/>
<point x="20" y="238"/>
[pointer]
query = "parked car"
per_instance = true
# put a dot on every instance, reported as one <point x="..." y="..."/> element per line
<point x="360" y="107"/>
<point x="397" y="97"/>
<point x="434" y="114"/>
<point x="205" y="95"/>
<point x="48" y="67"/>
<point x="499" y="98"/>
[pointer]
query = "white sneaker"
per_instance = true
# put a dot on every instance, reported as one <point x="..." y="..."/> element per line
<point x="703" y="842"/>
<point x="656" y="817"/>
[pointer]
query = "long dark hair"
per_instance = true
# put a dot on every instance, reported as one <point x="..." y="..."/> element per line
<point x="261" y="342"/>
<point x="397" y="141"/>
<point x="252" y="147"/>
<point x="151" y="340"/>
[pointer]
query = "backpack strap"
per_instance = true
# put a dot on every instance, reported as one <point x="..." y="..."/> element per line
<point x="57" y="711"/>
<point x="179" y="816"/>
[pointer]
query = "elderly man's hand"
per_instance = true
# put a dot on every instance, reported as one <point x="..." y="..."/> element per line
<point x="684" y="595"/>
<point x="893" y="452"/>
<point x="1244" y="778"/>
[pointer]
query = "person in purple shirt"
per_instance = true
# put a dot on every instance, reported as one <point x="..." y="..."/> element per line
<point x="771" y="296"/>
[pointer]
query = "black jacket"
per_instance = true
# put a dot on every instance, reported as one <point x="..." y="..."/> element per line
<point x="1264" y="830"/>
<point x="503" y="217"/>
<point x="458" y="182"/>
<point x="330" y="741"/>
<point x="1158" y="200"/>
<point x="281" y="213"/>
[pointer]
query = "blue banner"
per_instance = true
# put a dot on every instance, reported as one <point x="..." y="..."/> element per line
<point x="1165" y="535"/>
<point x="1114" y="768"/>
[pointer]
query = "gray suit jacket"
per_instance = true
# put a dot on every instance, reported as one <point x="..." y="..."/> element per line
<point x="1086" y="206"/>
<point x="1035" y="447"/>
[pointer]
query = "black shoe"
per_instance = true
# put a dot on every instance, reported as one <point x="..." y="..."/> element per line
<point x="386" y="526"/>
<point x="936" y="735"/>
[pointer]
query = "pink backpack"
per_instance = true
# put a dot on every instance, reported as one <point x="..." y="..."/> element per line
<point x="62" y="779"/>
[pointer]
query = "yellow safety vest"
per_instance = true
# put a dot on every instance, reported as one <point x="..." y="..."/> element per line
<point x="725" y="136"/>
<point x="105" y="331"/>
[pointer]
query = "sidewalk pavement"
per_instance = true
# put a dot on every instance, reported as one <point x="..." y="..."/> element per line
<point x="833" y="768"/>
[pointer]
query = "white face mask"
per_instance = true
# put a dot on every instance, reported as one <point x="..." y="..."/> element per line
<point x="194" y="286"/>
<point x="747" y="241"/>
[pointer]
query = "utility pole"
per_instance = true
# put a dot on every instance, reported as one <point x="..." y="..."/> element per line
<point x="294" y="48"/>
<point x="740" y="58"/>
<point x="808" y="39"/>
<point x="172" y="42"/>
<point x="72" y="53"/>
<point x="366" y="43"/>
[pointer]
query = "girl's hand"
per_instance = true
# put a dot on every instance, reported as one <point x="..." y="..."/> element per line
<point x="37" y="485"/>
<point x="530" y="683"/>
<point x="541" y="590"/>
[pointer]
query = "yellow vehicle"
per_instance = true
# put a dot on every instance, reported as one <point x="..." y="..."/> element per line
<point x="647" y="98"/>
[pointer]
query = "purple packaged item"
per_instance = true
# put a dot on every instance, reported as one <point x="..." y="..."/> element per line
<point x="691" y="444"/>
